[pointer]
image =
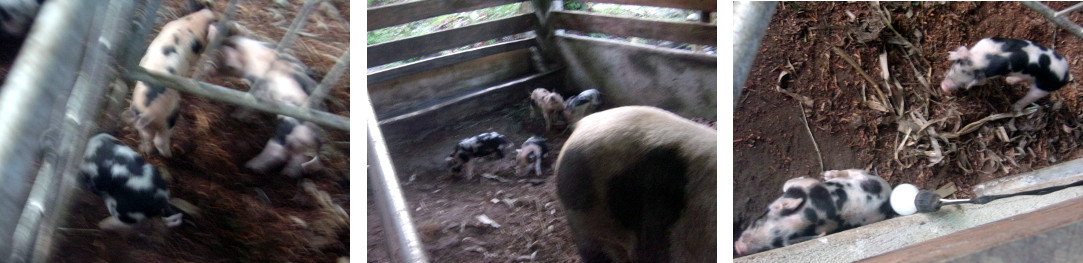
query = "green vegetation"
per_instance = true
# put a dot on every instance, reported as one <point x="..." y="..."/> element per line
<point x="439" y="23"/>
<point x="660" y="13"/>
<point x="456" y="20"/>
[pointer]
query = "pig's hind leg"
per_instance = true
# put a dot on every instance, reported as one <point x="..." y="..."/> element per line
<point x="1034" y="94"/>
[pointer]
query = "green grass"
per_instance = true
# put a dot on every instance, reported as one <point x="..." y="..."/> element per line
<point x="439" y="23"/>
<point x="457" y="20"/>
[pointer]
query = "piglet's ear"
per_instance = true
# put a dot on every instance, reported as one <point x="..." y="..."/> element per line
<point x="960" y="53"/>
<point x="786" y="204"/>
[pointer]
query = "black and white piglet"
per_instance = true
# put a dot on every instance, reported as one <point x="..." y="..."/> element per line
<point x="1021" y="61"/>
<point x="278" y="77"/>
<point x="132" y="188"/>
<point x="531" y="154"/>
<point x="485" y="144"/>
<point x="578" y="106"/>
<point x="809" y="208"/>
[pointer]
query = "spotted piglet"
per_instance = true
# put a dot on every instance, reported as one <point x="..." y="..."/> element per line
<point x="578" y="106"/>
<point x="531" y="154"/>
<point x="132" y="188"/>
<point x="277" y="77"/>
<point x="154" y="109"/>
<point x="809" y="208"/>
<point x="551" y="104"/>
<point x="482" y="145"/>
<point x="1022" y="61"/>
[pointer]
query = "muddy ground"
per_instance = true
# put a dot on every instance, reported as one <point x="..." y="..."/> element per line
<point x="243" y="216"/>
<point x="893" y="134"/>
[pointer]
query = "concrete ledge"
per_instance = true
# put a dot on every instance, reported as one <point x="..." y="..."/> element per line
<point x="1059" y="174"/>
<point x="899" y="232"/>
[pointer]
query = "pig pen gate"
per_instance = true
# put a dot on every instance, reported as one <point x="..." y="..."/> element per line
<point x="434" y="92"/>
<point x="55" y="89"/>
<point x="1037" y="229"/>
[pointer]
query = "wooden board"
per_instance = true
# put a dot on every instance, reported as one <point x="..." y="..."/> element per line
<point x="406" y="93"/>
<point x="395" y="14"/>
<point x="447" y="60"/>
<point x="1046" y="235"/>
<point x="456" y="109"/>
<point x="383" y="53"/>
<point x="683" y="32"/>
<point x="683" y="82"/>
<point x="707" y="5"/>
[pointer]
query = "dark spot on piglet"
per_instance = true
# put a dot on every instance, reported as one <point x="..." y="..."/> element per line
<point x="169" y="50"/>
<point x="197" y="46"/>
<point x="285" y="127"/>
<point x="821" y="199"/>
<point x="871" y="186"/>
<point x="152" y="93"/>
<point x="841" y="194"/>
<point x="811" y="215"/>
<point x="171" y="70"/>
<point x="778" y="242"/>
<point x="173" y="118"/>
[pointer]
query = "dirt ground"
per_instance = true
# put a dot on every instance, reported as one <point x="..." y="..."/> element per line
<point x="445" y="208"/>
<point x="243" y="216"/>
<point x="911" y="138"/>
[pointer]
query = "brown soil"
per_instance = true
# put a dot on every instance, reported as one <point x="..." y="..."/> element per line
<point x="771" y="144"/>
<point x="445" y="208"/>
<point x="243" y="216"/>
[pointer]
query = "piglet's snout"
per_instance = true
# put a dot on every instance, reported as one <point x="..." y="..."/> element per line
<point x="948" y="87"/>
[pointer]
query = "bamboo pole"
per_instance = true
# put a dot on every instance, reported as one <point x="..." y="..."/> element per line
<point x="41" y="78"/>
<point x="316" y="99"/>
<point x="245" y="99"/>
<point x="1049" y="14"/>
<point x="213" y="45"/>
<point x="750" y="21"/>
<point x="298" y="23"/>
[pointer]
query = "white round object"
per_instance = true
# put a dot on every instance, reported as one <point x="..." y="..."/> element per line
<point x="902" y="199"/>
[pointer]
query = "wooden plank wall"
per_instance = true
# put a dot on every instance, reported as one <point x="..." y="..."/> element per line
<point x="684" y="32"/>
<point x="629" y="73"/>
<point x="683" y="82"/>
<point x="396" y="14"/>
<point x="402" y="49"/>
<point x="705" y="5"/>
<point x="392" y="96"/>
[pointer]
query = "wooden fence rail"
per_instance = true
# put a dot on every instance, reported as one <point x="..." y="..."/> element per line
<point x="237" y="97"/>
<point x="704" y="5"/>
<point x="684" y="32"/>
<point x="395" y="14"/>
<point x="447" y="60"/>
<point x="413" y="47"/>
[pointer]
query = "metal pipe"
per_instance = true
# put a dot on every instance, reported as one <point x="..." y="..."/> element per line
<point x="39" y="82"/>
<point x="236" y="97"/>
<point x="298" y="23"/>
<point x="1070" y="9"/>
<point x="86" y="99"/>
<point x="329" y="81"/>
<point x="403" y="244"/>
<point x="750" y="21"/>
<point x="1048" y="13"/>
